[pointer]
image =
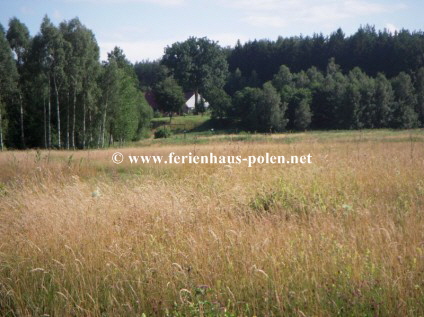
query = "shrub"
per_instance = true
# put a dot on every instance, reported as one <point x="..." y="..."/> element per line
<point x="163" y="132"/>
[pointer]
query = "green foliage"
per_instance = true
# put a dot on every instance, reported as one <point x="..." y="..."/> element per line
<point x="150" y="73"/>
<point x="185" y="123"/>
<point x="404" y="115"/>
<point x="282" y="78"/>
<point x="383" y="101"/>
<point x="419" y="91"/>
<point x="260" y="109"/>
<point x="82" y="70"/>
<point x="315" y="78"/>
<point x="219" y="103"/>
<point x="245" y="104"/>
<point x="145" y="114"/>
<point x="303" y="115"/>
<point x="372" y="51"/>
<point x="200" y="106"/>
<point x="8" y="85"/>
<point x="124" y="112"/>
<point x="3" y="190"/>
<point x="296" y="96"/>
<point x="271" y="109"/>
<point x="56" y="93"/>
<point x="73" y="101"/>
<point x="19" y="39"/>
<point x="126" y="115"/>
<point x="235" y="82"/>
<point x="157" y="114"/>
<point x="163" y="132"/>
<point x="198" y="64"/>
<point x="170" y="96"/>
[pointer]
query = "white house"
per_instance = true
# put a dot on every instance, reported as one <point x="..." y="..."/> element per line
<point x="189" y="106"/>
<point x="191" y="100"/>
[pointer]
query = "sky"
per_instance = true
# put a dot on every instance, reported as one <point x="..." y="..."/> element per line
<point x="143" y="28"/>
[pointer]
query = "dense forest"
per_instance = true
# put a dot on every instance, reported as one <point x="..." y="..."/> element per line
<point x="56" y="93"/>
<point x="367" y="80"/>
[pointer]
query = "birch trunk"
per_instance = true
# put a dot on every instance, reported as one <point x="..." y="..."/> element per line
<point x="110" y="139"/>
<point x="74" y="118"/>
<point x="67" y="124"/>
<point x="99" y="138"/>
<point x="90" y="135"/>
<point x="45" y="122"/>
<point x="104" y="128"/>
<point x="83" y="122"/>
<point x="21" y="110"/>
<point x="49" y="121"/>
<point x="57" y="111"/>
<point x="104" y="124"/>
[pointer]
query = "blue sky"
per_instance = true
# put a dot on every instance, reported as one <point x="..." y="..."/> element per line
<point x="142" y="28"/>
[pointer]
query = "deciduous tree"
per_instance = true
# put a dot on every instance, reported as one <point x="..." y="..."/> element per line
<point x="198" y="64"/>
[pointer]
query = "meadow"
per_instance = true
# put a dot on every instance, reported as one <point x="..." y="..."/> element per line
<point x="343" y="236"/>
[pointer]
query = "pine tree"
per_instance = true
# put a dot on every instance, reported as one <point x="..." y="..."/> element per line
<point x="419" y="91"/>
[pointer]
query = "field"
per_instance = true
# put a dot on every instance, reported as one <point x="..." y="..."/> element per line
<point x="343" y="236"/>
<point x="184" y="123"/>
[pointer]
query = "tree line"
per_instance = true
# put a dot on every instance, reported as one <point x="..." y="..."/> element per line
<point x="371" y="50"/>
<point x="330" y="97"/>
<point x="55" y="92"/>
<point x="313" y="99"/>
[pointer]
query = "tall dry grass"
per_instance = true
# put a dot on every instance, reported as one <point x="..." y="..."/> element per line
<point x="80" y="236"/>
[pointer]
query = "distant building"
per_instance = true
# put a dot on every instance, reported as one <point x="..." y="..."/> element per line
<point x="189" y="105"/>
<point x="191" y="101"/>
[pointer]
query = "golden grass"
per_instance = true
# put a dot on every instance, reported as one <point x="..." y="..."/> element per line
<point x="342" y="236"/>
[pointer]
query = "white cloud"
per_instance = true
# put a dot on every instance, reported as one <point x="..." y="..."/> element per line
<point x="391" y="28"/>
<point x="153" y="49"/>
<point x="265" y="21"/>
<point x="226" y="39"/>
<point x="157" y="2"/>
<point x="135" y="50"/>
<point x="279" y="13"/>
<point x="26" y="10"/>
<point x="260" y="5"/>
<point x="123" y="33"/>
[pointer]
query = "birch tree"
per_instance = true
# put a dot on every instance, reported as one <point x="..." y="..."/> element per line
<point x="55" y="54"/>
<point x="19" y="40"/>
<point x="8" y="82"/>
